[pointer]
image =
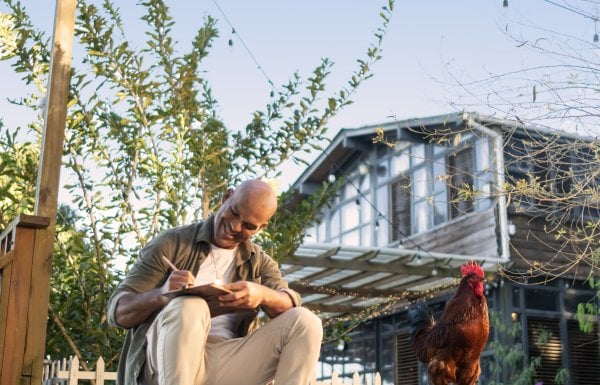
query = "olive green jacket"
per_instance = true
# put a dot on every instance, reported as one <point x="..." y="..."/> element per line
<point x="187" y="246"/>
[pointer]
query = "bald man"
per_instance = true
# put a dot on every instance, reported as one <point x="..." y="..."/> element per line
<point x="175" y="340"/>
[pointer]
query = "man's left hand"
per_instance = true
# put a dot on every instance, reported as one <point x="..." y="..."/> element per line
<point x="250" y="295"/>
<point x="246" y="295"/>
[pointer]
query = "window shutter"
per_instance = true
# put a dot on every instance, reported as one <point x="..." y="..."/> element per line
<point x="584" y="354"/>
<point x="401" y="201"/>
<point x="544" y="342"/>
<point x="406" y="362"/>
<point x="460" y="170"/>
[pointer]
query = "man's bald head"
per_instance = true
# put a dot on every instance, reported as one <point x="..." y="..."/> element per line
<point x="257" y="193"/>
<point x="245" y="211"/>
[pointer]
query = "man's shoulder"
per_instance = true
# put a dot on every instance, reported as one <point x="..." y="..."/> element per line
<point x="257" y="254"/>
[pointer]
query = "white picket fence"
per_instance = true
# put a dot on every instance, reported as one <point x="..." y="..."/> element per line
<point x="63" y="372"/>
<point x="355" y="380"/>
<point x="66" y="372"/>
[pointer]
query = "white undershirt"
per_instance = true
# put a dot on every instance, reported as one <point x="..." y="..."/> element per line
<point x="218" y="266"/>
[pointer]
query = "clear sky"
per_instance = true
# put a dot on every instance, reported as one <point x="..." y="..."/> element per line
<point x="428" y="43"/>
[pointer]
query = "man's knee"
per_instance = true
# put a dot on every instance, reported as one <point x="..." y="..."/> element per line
<point x="187" y="311"/>
<point x="308" y="321"/>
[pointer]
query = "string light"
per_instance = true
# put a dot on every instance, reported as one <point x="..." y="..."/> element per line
<point x="393" y="303"/>
<point x="230" y="42"/>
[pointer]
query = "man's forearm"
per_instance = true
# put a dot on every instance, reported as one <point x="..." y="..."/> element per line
<point x="132" y="308"/>
<point x="276" y="302"/>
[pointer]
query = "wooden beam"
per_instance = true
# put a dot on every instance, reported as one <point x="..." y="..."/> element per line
<point x="56" y="111"/>
<point x="396" y="267"/>
<point x="46" y="201"/>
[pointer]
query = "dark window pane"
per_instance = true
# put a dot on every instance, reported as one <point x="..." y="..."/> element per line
<point x="516" y="298"/>
<point x="540" y="299"/>
<point x="460" y="190"/>
<point x="575" y="297"/>
<point x="400" y="206"/>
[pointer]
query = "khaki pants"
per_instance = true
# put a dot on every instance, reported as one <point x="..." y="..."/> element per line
<point x="180" y="352"/>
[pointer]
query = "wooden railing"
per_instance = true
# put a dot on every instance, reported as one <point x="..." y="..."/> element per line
<point x="23" y="302"/>
<point x="66" y="372"/>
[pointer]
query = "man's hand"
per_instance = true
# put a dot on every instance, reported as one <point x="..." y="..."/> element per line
<point x="246" y="295"/>
<point x="250" y="295"/>
<point x="133" y="308"/>
<point x="179" y="279"/>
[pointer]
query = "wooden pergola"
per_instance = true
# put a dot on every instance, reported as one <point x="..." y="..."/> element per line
<point x="26" y="245"/>
<point x="339" y="280"/>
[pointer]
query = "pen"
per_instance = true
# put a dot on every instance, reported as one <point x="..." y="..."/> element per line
<point x="168" y="262"/>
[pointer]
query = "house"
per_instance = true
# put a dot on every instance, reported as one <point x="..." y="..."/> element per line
<point x="420" y="197"/>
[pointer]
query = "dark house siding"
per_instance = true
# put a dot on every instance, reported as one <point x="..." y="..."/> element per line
<point x="472" y="234"/>
<point x="533" y="241"/>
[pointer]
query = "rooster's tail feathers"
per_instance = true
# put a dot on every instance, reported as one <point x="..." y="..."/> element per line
<point x="420" y="320"/>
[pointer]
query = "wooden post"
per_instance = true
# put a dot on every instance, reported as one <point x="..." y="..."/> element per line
<point x="47" y="187"/>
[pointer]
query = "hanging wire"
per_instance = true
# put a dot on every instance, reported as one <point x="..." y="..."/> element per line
<point x="571" y="9"/>
<point x="230" y="42"/>
<point x="578" y="12"/>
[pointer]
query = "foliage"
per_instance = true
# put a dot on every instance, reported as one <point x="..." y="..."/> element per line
<point x="587" y="313"/>
<point x="286" y="229"/>
<point x="145" y="150"/>
<point x="18" y="171"/>
<point x="79" y="290"/>
<point x="510" y="364"/>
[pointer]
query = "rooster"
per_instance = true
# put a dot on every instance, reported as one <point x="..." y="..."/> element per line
<point x="450" y="348"/>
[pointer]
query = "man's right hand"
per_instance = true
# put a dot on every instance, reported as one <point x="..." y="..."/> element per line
<point x="179" y="279"/>
<point x="134" y="308"/>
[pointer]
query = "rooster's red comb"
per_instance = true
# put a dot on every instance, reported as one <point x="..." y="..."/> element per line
<point x="471" y="267"/>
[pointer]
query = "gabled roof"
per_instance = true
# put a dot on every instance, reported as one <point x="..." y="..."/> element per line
<point x="350" y="141"/>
